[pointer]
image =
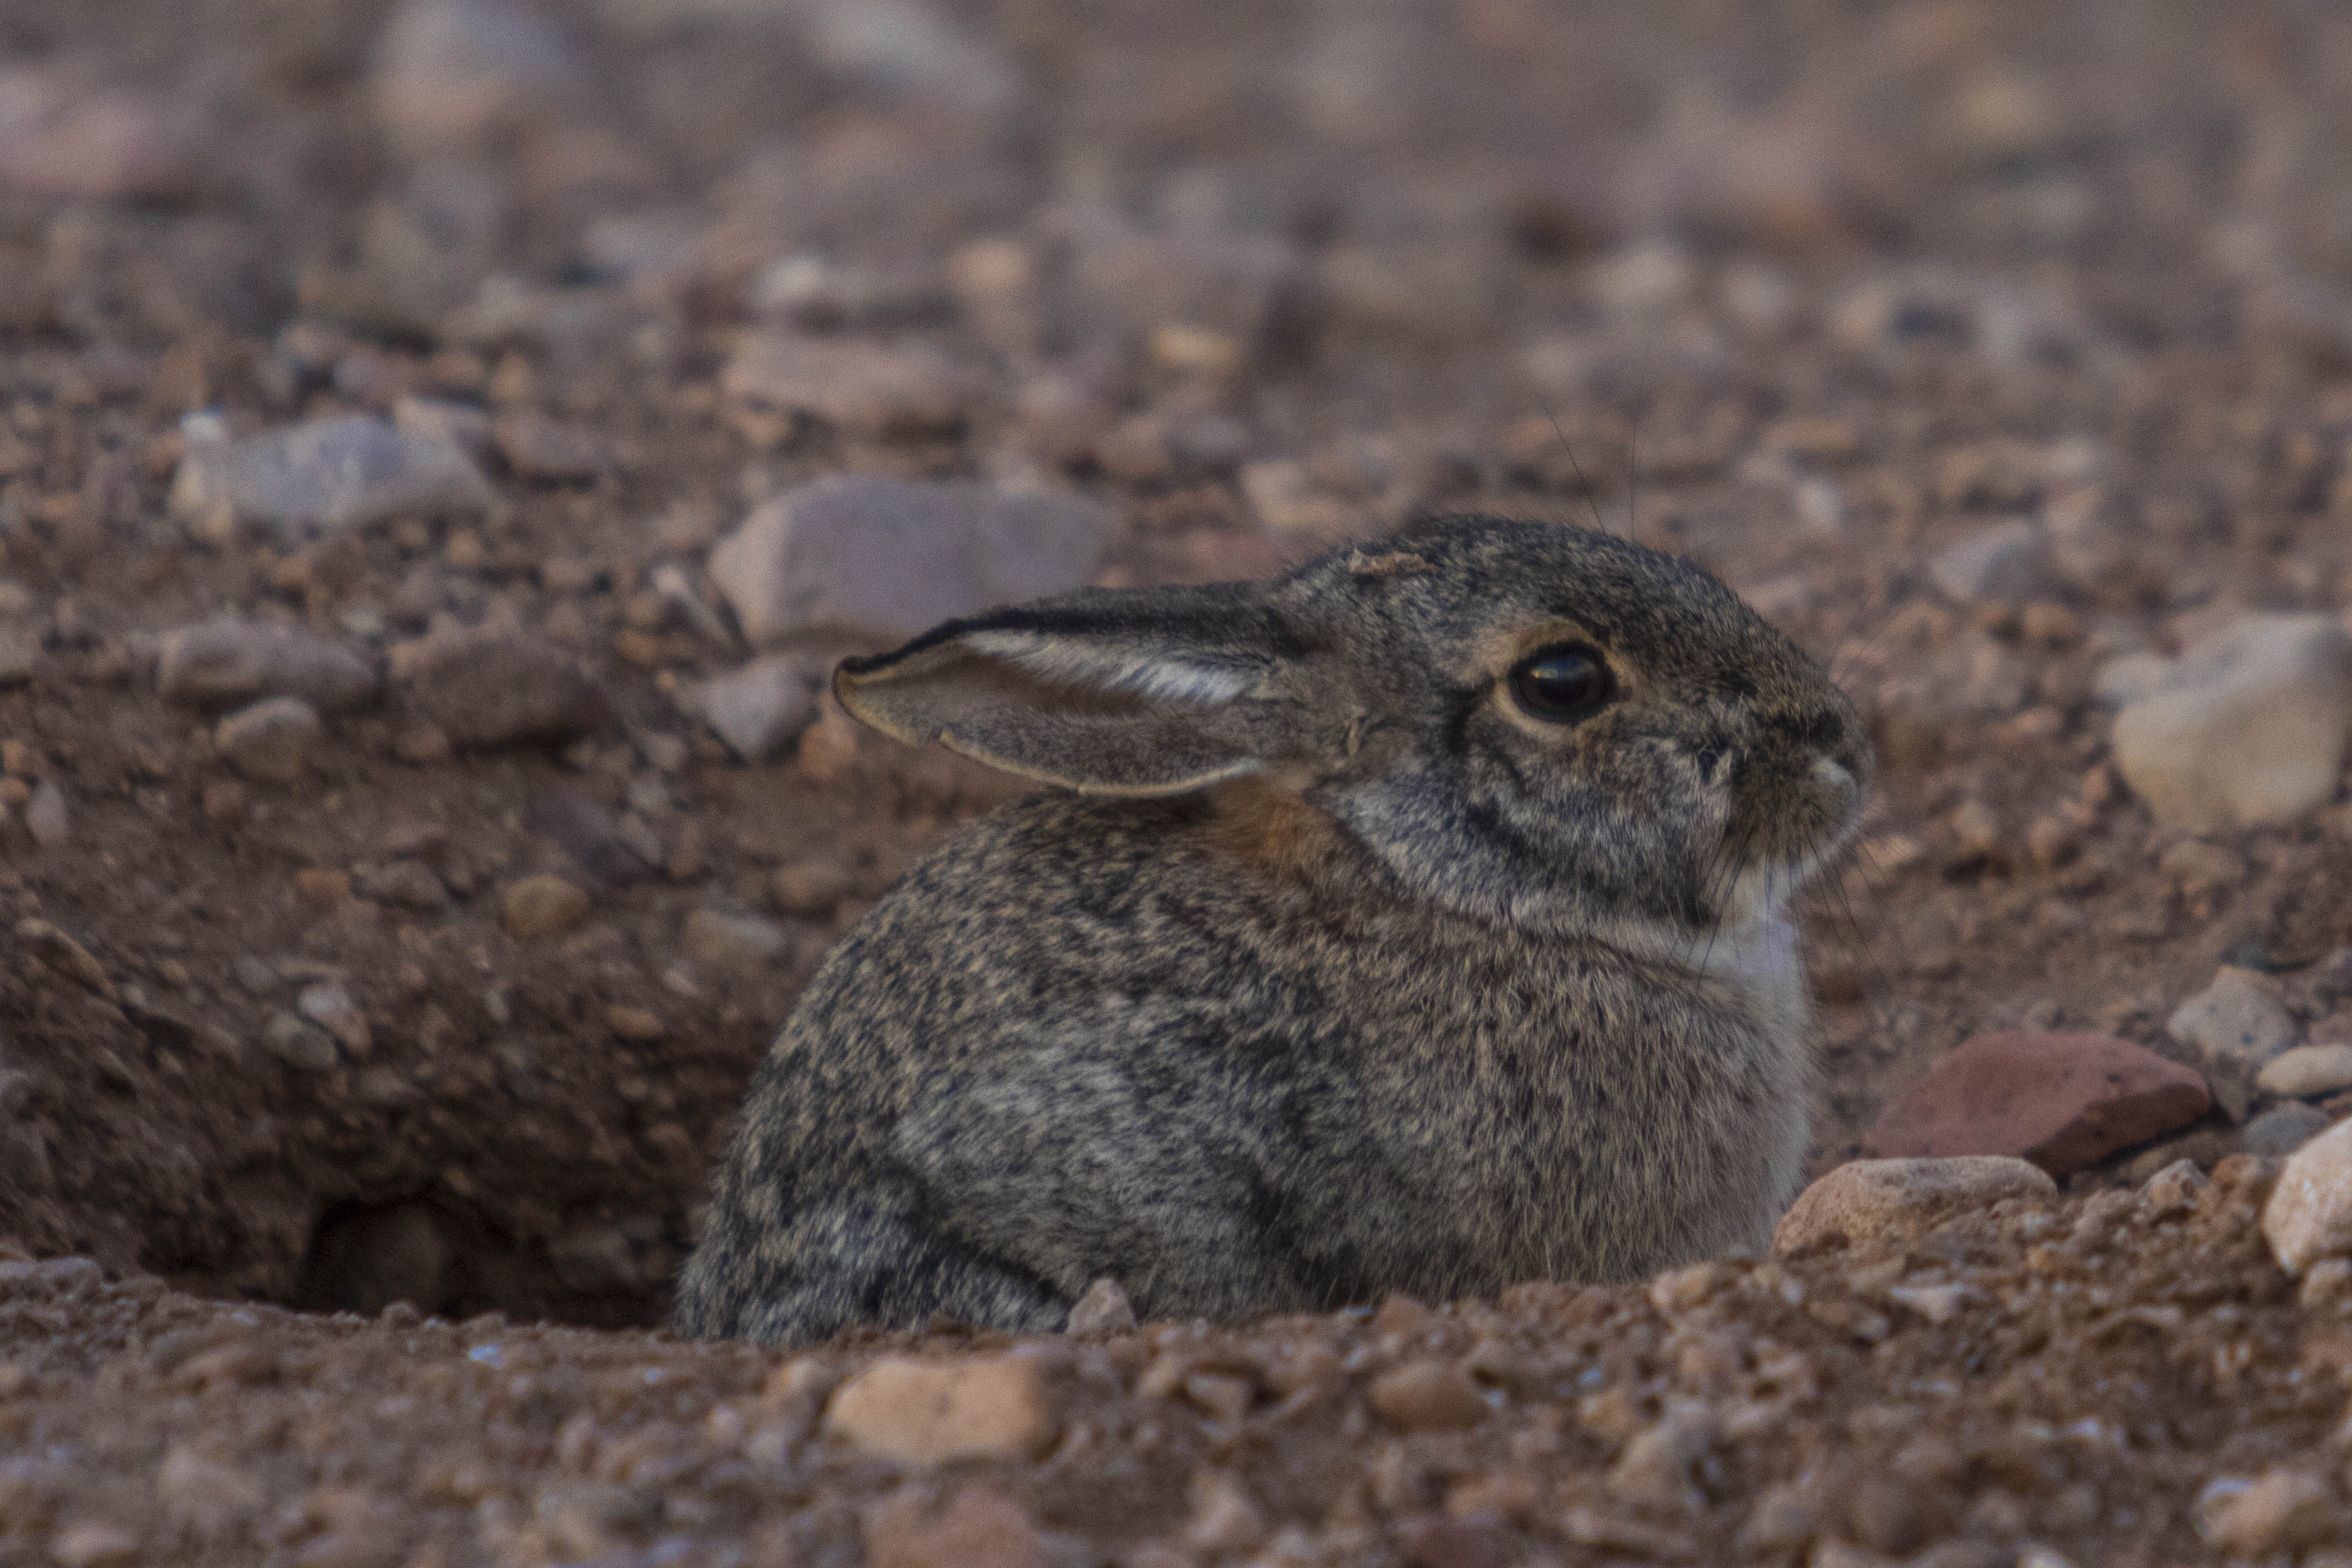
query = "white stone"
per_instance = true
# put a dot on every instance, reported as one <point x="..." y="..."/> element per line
<point x="873" y="561"/>
<point x="2306" y="1072"/>
<point x="2248" y="727"/>
<point x="270" y="741"/>
<point x="322" y="478"/>
<point x="761" y="706"/>
<point x="2309" y="1216"/>
<point x="331" y="1008"/>
<point x="221" y="663"/>
<point x="46" y="816"/>
<point x="2007" y="562"/>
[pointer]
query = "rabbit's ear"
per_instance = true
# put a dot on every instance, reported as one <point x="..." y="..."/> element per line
<point x="1133" y="692"/>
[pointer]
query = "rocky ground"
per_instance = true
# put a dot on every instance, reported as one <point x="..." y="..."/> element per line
<point x="443" y="443"/>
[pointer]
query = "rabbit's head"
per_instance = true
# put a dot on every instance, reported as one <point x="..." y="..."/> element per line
<point x="1524" y="723"/>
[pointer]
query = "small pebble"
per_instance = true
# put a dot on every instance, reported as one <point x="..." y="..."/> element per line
<point x="46" y="817"/>
<point x="1104" y="1308"/>
<point x="271" y="741"/>
<point x="492" y="687"/>
<point x="2238" y="1025"/>
<point x="300" y="1043"/>
<point x="811" y="889"/>
<point x="727" y="941"/>
<point x="404" y="884"/>
<point x="224" y="663"/>
<point x="638" y="1023"/>
<point x="1429" y="1395"/>
<point x="760" y="707"/>
<point x="2306" y="1072"/>
<point x="2309" y="1214"/>
<point x="331" y="1008"/>
<point x="928" y="1413"/>
<point x="542" y="905"/>
<point x="2281" y="1130"/>
<point x="2284" y="1511"/>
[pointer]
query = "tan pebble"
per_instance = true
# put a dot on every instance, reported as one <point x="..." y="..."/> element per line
<point x="271" y="741"/>
<point x="1222" y="1394"/>
<point x="92" y="1544"/>
<point x="65" y="955"/>
<point x="638" y="1023"/>
<point x="977" y="1529"/>
<point x="224" y="800"/>
<point x="927" y="1413"/>
<point x="1429" y="1395"/>
<point x="1865" y="1199"/>
<point x="2306" y="1072"/>
<point x="725" y="941"/>
<point x="422" y="746"/>
<point x="2309" y="1214"/>
<point x="47" y="817"/>
<point x="1657" y="1466"/>
<point x="810" y="889"/>
<point x="543" y="905"/>
<point x="202" y="1493"/>
<point x="2282" y="1511"/>
<point x="2325" y="1283"/>
<point x="14" y="790"/>
<point x="1224" y="1521"/>
<point x="321" y="886"/>
<point x="1680" y="1290"/>
<point x="1104" y="1308"/>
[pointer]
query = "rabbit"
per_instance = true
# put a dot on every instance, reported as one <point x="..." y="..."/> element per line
<point x="1413" y="922"/>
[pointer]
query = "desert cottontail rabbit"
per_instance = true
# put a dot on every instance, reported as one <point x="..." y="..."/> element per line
<point x="1411" y="922"/>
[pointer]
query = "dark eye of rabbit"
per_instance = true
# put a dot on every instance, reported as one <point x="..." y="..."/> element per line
<point x="1562" y="684"/>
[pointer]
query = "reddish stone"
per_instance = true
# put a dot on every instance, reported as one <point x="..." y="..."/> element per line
<point x="2059" y="1101"/>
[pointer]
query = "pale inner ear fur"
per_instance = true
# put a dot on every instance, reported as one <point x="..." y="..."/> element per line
<point x="1097" y="720"/>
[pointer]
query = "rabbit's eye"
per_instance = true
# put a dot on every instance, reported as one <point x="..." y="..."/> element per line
<point x="1562" y="684"/>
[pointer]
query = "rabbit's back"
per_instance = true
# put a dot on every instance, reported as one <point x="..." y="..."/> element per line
<point x="1193" y="1043"/>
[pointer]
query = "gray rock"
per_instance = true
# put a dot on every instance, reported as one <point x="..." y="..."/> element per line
<point x="300" y="1044"/>
<point x="2238" y="1025"/>
<point x="872" y="561"/>
<point x="2281" y="1130"/>
<point x="453" y="75"/>
<point x="270" y="741"/>
<point x="760" y="707"/>
<point x="491" y="686"/>
<point x="324" y="477"/>
<point x="2248" y="727"/>
<point x="222" y="663"/>
<point x="331" y="1008"/>
<point x="408" y="884"/>
<point x="47" y="817"/>
<point x="2005" y="562"/>
<point x="20" y="655"/>
<point x="2307" y="1072"/>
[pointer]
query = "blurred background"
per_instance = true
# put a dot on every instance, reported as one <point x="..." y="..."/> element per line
<point x="418" y="802"/>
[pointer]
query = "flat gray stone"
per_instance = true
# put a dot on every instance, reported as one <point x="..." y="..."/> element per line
<point x="271" y="741"/>
<point x="870" y="562"/>
<point x="322" y="478"/>
<point x="759" y="708"/>
<point x="221" y="663"/>
<point x="2004" y="562"/>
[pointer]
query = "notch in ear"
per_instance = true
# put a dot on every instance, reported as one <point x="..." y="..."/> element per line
<point x="1147" y="691"/>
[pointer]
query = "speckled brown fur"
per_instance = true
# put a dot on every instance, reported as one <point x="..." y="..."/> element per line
<point x="1336" y="975"/>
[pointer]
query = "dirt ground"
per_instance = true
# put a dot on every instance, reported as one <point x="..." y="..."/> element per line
<point x="1809" y="292"/>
